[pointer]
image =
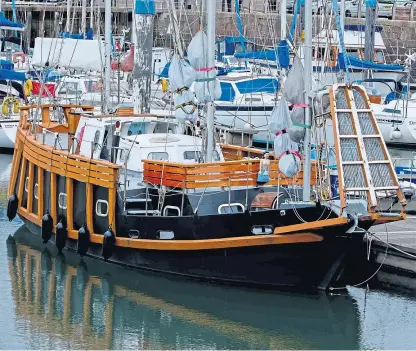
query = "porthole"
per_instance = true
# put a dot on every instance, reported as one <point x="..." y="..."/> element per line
<point x="35" y="191"/>
<point x="262" y="229"/>
<point x="101" y="208"/>
<point x="62" y="201"/>
<point x="134" y="234"/>
<point x="231" y="208"/>
<point x="171" y="211"/>
<point x="165" y="235"/>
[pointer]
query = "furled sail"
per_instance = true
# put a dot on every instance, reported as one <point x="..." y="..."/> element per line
<point x="181" y="77"/>
<point x="198" y="58"/>
<point x="294" y="93"/>
<point x="79" y="54"/>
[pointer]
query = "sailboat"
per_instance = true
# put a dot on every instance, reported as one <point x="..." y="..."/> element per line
<point x="131" y="191"/>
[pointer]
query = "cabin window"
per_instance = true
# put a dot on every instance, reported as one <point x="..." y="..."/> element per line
<point x="393" y="111"/>
<point x="26" y="184"/>
<point x="35" y="191"/>
<point x="171" y="211"/>
<point x="101" y="208"/>
<point x="231" y="208"/>
<point x="158" y="156"/>
<point x="193" y="155"/>
<point x="165" y="235"/>
<point x="262" y="229"/>
<point x="62" y="201"/>
<point x="378" y="56"/>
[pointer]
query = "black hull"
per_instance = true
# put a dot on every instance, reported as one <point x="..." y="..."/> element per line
<point x="304" y="266"/>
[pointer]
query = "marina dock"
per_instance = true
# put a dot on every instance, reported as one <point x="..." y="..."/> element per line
<point x="393" y="253"/>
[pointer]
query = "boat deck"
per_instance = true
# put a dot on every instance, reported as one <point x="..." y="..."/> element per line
<point x="401" y="233"/>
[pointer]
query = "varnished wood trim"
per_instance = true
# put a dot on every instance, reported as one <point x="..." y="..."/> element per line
<point x="311" y="225"/>
<point x="30" y="187"/>
<point x="52" y="196"/>
<point x="112" y="209"/>
<point x="29" y="216"/>
<point x="22" y="181"/>
<point x="69" y="203"/>
<point x="89" y="207"/>
<point x="40" y="192"/>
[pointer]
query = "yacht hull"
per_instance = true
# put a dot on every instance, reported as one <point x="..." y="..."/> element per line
<point x="7" y="133"/>
<point x="315" y="265"/>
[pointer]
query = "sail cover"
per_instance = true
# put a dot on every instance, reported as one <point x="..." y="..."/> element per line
<point x="79" y="54"/>
<point x="6" y="24"/>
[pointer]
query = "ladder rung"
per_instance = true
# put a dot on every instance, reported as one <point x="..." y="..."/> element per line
<point x="352" y="162"/>
<point x="386" y="188"/>
<point x="348" y="136"/>
<point x="379" y="162"/>
<point x="347" y="110"/>
<point x="357" y="189"/>
<point x="371" y="136"/>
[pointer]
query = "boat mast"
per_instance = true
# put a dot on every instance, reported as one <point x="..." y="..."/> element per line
<point x="308" y="87"/>
<point x="68" y="15"/>
<point x="370" y="30"/>
<point x="84" y="17"/>
<point x="211" y="14"/>
<point x="92" y="15"/>
<point x="143" y="46"/>
<point x="107" y="32"/>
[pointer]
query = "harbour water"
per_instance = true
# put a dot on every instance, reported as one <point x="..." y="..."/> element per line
<point x="62" y="302"/>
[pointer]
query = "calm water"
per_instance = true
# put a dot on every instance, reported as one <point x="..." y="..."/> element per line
<point x="61" y="303"/>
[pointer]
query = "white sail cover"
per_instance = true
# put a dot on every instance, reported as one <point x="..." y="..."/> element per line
<point x="181" y="75"/>
<point x="79" y="54"/>
<point x="198" y="58"/>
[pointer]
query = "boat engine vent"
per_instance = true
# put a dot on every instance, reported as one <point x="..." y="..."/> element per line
<point x="364" y="164"/>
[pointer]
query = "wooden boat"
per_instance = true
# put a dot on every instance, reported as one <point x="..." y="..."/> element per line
<point x="210" y="221"/>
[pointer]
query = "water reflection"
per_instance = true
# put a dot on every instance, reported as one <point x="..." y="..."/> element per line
<point x="64" y="303"/>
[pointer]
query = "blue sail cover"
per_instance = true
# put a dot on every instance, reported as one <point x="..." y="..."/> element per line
<point x="4" y="22"/>
<point x="89" y="34"/>
<point x="12" y="75"/>
<point x="268" y="55"/>
<point x="354" y="62"/>
<point x="283" y="51"/>
<point x="4" y="64"/>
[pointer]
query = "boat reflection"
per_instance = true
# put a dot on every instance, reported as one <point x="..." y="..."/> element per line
<point x="85" y="304"/>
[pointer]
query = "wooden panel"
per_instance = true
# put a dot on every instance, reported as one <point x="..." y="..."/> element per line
<point x="15" y="167"/>
<point x="311" y="225"/>
<point x="30" y="187"/>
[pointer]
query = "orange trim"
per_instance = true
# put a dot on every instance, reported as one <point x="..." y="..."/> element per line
<point x="311" y="225"/>
<point x="15" y="167"/>
<point x="112" y="209"/>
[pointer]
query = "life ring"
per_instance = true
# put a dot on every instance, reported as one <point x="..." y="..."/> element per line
<point x="7" y="103"/>
<point x="17" y="55"/>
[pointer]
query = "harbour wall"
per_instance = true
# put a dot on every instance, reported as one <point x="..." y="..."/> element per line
<point x="263" y="28"/>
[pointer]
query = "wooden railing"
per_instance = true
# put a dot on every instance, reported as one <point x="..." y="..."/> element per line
<point x="217" y="174"/>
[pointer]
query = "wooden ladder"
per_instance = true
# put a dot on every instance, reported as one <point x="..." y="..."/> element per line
<point x="364" y="164"/>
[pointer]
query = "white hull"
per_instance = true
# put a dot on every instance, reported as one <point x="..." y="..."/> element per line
<point x="244" y="117"/>
<point x="8" y="130"/>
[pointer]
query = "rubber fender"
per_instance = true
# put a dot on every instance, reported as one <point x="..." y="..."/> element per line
<point x="47" y="226"/>
<point x="12" y="206"/>
<point x="61" y="234"/>
<point x="83" y="240"/>
<point x="109" y="243"/>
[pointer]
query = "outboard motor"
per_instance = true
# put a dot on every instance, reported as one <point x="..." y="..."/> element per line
<point x="12" y="206"/>
<point x="61" y="235"/>
<point x="47" y="226"/>
<point x="83" y="240"/>
<point x="109" y="242"/>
